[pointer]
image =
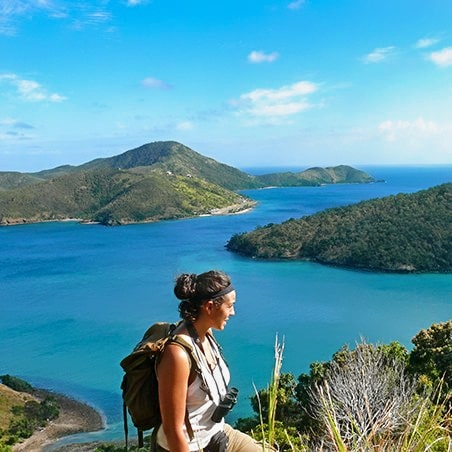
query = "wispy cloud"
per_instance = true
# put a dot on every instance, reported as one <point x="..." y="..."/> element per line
<point x="257" y="56"/>
<point x="79" y="14"/>
<point x="403" y="129"/>
<point x="442" y="58"/>
<point x="426" y="42"/>
<point x="185" y="125"/>
<point x="271" y="104"/>
<point x="378" y="55"/>
<point x="12" y="11"/>
<point x="12" y="130"/>
<point x="30" y="90"/>
<point x="155" y="83"/>
<point x="136" y="2"/>
<point x="296" y="4"/>
<point x="15" y="124"/>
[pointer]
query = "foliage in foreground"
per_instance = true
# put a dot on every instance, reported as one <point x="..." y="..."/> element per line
<point x="375" y="397"/>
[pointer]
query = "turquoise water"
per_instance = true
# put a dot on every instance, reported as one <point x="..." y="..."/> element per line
<point x="75" y="298"/>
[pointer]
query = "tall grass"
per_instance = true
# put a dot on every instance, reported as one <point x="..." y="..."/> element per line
<point x="268" y="428"/>
<point x="427" y="429"/>
<point x="367" y="402"/>
<point x="367" y="405"/>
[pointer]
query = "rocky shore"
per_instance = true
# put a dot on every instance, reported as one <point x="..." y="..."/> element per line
<point x="74" y="417"/>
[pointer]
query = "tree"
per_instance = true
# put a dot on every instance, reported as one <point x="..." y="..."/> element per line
<point x="431" y="357"/>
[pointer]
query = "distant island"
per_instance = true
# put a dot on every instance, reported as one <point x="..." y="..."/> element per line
<point x="400" y="233"/>
<point x="157" y="181"/>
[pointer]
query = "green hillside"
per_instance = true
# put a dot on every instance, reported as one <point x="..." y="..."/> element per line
<point x="113" y="196"/>
<point x="167" y="156"/>
<point x="156" y="181"/>
<point x="9" y="180"/>
<point x="341" y="174"/>
<point x="405" y="233"/>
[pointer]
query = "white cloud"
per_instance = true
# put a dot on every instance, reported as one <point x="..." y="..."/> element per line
<point x="276" y="103"/>
<point x="185" y="125"/>
<point x="296" y="4"/>
<point x="13" y="130"/>
<point x="379" y="54"/>
<point x="442" y="57"/>
<point x="411" y="130"/>
<point x="155" y="83"/>
<point x="301" y="88"/>
<point x="426" y="42"/>
<point x="12" y="10"/>
<point x="256" y="56"/>
<point x="79" y="13"/>
<point x="97" y="17"/>
<point x="135" y="2"/>
<point x="282" y="109"/>
<point x="417" y="140"/>
<point x="15" y="124"/>
<point x="30" y="90"/>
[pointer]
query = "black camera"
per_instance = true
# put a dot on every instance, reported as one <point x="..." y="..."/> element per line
<point x="226" y="405"/>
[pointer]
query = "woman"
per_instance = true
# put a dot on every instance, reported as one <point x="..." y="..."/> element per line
<point x="188" y="399"/>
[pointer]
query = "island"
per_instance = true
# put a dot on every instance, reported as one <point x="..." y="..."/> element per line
<point x="399" y="233"/>
<point x="157" y="181"/>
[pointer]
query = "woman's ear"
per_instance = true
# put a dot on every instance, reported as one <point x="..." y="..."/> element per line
<point x="209" y="305"/>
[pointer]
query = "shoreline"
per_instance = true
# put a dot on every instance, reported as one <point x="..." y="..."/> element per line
<point x="233" y="209"/>
<point x="74" y="417"/>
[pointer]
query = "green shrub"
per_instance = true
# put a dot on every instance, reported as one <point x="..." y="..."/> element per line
<point x="16" y="383"/>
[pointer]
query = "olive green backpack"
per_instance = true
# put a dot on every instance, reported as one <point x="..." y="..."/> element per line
<point x="140" y="385"/>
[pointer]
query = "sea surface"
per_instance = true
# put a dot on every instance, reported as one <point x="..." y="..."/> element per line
<point x="75" y="298"/>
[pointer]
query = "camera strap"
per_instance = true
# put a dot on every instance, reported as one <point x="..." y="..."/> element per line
<point x="214" y="346"/>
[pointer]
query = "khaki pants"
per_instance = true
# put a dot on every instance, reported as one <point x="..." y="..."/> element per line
<point x="241" y="442"/>
<point x="238" y="442"/>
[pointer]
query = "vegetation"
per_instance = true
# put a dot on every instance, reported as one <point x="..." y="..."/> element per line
<point x="115" y="197"/>
<point x="10" y="180"/>
<point x="341" y="174"/>
<point x="372" y="397"/>
<point x="369" y="398"/>
<point x="22" y="413"/>
<point x="157" y="181"/>
<point x="17" y="384"/>
<point x="403" y="233"/>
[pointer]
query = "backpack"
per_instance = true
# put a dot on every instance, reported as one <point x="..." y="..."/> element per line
<point x="140" y="385"/>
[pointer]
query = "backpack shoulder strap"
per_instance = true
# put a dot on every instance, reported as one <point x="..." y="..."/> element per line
<point x="194" y="367"/>
<point x="194" y="359"/>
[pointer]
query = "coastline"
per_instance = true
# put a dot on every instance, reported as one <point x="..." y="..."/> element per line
<point x="74" y="417"/>
<point x="233" y="209"/>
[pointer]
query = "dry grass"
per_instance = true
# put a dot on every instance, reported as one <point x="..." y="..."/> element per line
<point x="8" y="399"/>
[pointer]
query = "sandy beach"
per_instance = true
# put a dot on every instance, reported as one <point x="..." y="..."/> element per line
<point x="75" y="417"/>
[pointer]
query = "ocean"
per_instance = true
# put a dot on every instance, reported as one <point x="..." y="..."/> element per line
<point x="75" y="298"/>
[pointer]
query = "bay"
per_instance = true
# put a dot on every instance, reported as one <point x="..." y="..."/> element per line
<point x="76" y="298"/>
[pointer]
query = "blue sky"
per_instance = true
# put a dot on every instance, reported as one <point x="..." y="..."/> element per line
<point x="249" y="83"/>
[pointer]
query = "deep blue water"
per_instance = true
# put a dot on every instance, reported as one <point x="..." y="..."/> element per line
<point x="76" y="298"/>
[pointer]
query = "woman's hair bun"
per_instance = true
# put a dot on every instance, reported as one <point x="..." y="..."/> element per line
<point x="185" y="287"/>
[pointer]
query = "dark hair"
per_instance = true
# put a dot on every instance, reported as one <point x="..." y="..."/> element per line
<point x="194" y="290"/>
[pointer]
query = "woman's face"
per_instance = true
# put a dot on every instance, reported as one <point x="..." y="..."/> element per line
<point x="220" y="314"/>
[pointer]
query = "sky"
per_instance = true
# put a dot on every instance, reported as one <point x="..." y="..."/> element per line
<point x="250" y="83"/>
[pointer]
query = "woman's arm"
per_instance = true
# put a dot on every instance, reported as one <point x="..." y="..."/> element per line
<point x="173" y="372"/>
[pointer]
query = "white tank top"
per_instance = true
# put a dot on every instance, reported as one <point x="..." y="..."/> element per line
<point x="200" y="406"/>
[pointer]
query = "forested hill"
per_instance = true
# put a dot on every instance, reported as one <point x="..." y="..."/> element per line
<point x="156" y="181"/>
<point x="161" y="156"/>
<point x="341" y="174"/>
<point x="400" y="233"/>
